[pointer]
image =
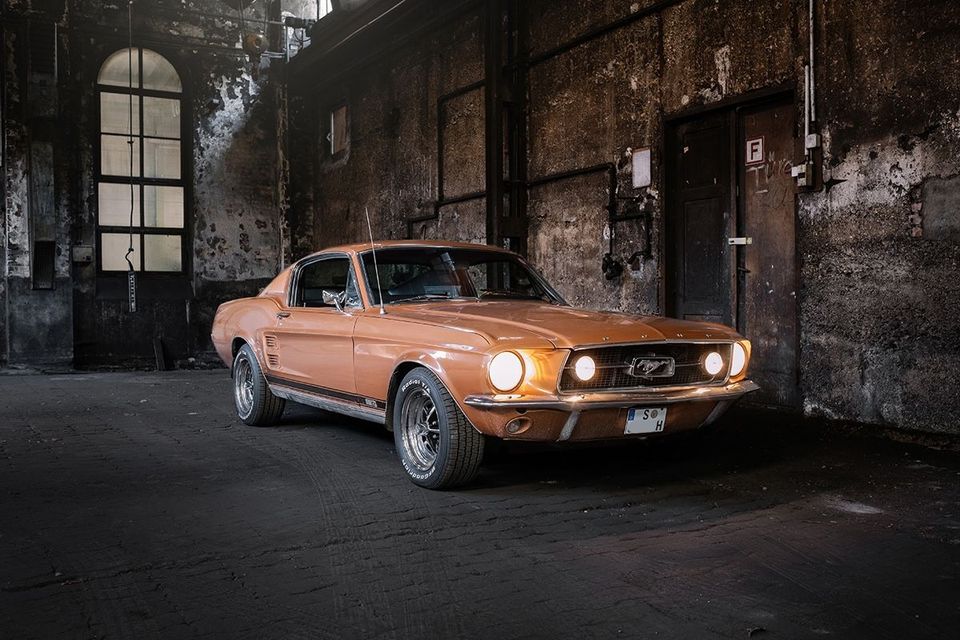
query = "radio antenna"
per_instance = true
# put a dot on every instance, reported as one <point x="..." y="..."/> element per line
<point x="376" y="269"/>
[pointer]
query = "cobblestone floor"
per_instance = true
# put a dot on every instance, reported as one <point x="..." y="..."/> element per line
<point x="134" y="505"/>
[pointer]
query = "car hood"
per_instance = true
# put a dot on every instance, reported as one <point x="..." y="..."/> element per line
<point x="516" y="322"/>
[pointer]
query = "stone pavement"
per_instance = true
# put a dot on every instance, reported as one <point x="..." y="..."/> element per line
<point x="135" y="505"/>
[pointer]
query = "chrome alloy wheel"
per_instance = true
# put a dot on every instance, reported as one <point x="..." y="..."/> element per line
<point x="420" y="429"/>
<point x="243" y="386"/>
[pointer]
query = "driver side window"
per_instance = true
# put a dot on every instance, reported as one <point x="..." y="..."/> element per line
<point x="330" y="274"/>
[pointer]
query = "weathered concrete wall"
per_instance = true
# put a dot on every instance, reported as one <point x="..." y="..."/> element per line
<point x="881" y="336"/>
<point x="390" y="166"/>
<point x="879" y="295"/>
<point x="37" y="323"/>
<point x="879" y="257"/>
<point x="232" y="197"/>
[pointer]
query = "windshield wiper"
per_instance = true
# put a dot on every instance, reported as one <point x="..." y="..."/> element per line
<point x="506" y="293"/>
<point x="427" y="296"/>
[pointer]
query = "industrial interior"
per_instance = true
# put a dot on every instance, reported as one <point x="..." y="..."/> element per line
<point x="789" y="169"/>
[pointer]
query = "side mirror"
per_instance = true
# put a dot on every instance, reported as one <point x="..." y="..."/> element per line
<point x="333" y="298"/>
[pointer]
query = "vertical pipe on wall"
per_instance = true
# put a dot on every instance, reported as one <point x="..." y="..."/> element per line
<point x="517" y="50"/>
<point x="493" y="117"/>
<point x="811" y="82"/>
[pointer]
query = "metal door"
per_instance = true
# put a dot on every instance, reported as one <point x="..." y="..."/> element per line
<point x="767" y="300"/>
<point x="699" y="263"/>
<point x="728" y="181"/>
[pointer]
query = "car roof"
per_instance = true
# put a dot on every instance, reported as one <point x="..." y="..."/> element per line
<point x="359" y="247"/>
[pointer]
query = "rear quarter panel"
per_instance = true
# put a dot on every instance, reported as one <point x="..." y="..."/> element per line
<point x="247" y="319"/>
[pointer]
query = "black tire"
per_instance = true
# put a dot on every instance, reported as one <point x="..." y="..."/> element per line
<point x="255" y="403"/>
<point x="456" y="445"/>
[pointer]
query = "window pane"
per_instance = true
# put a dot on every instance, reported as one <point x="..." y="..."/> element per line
<point x="161" y="117"/>
<point x="113" y="248"/>
<point x="158" y="73"/>
<point x="338" y="130"/>
<point x="115" y="156"/>
<point x="161" y="158"/>
<point x="115" y="113"/>
<point x="115" y="70"/>
<point x="114" y="209"/>
<point x="161" y="253"/>
<point x="330" y="275"/>
<point x="163" y="207"/>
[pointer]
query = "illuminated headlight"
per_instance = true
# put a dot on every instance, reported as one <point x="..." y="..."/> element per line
<point x="738" y="360"/>
<point x="506" y="371"/>
<point x="585" y="368"/>
<point x="713" y="363"/>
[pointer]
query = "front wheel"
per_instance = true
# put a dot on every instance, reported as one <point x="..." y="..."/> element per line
<point x="256" y="404"/>
<point x="437" y="445"/>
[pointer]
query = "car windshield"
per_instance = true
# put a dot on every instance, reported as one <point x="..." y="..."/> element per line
<point x="415" y="274"/>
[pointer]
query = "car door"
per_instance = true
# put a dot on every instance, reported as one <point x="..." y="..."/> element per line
<point x="312" y="343"/>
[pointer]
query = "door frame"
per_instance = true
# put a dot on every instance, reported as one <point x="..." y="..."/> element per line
<point x="732" y="109"/>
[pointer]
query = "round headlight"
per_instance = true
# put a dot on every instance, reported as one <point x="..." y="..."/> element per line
<point x="713" y="363"/>
<point x="585" y="368"/>
<point x="506" y="371"/>
<point x="738" y="359"/>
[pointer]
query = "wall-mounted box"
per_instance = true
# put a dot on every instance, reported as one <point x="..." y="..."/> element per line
<point x="641" y="168"/>
<point x="83" y="254"/>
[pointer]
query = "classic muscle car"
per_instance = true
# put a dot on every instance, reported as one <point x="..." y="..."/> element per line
<point x="448" y="344"/>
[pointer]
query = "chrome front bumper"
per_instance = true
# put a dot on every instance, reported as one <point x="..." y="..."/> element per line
<point x="608" y="400"/>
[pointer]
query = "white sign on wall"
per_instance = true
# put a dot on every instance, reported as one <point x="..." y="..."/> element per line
<point x="754" y="151"/>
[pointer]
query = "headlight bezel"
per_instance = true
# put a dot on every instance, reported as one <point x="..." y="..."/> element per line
<point x="510" y="362"/>
<point x="738" y="356"/>
<point x="747" y="352"/>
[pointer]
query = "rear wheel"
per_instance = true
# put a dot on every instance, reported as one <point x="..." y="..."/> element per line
<point x="256" y="404"/>
<point x="437" y="445"/>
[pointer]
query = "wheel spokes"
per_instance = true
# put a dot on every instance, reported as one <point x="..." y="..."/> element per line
<point x="421" y="432"/>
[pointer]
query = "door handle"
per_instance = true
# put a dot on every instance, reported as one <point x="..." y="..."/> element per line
<point x="283" y="314"/>
<point x="740" y="240"/>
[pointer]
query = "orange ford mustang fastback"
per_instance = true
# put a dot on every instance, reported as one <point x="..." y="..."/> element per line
<point x="448" y="344"/>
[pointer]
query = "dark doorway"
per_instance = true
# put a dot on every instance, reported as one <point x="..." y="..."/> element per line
<point x="731" y="234"/>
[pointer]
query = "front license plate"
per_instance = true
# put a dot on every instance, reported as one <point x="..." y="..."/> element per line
<point x="646" y="420"/>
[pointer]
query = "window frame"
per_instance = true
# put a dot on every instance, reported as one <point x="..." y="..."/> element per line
<point x="331" y="130"/>
<point x="140" y="181"/>
<point x="293" y="294"/>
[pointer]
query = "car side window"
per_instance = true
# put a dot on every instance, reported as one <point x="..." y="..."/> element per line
<point x="331" y="274"/>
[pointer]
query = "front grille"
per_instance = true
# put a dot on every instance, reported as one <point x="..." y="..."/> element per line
<point x="615" y="364"/>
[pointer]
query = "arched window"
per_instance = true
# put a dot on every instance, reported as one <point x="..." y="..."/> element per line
<point x="150" y="109"/>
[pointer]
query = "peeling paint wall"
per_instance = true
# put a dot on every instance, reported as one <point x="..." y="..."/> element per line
<point x="879" y="281"/>
<point x="233" y="221"/>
